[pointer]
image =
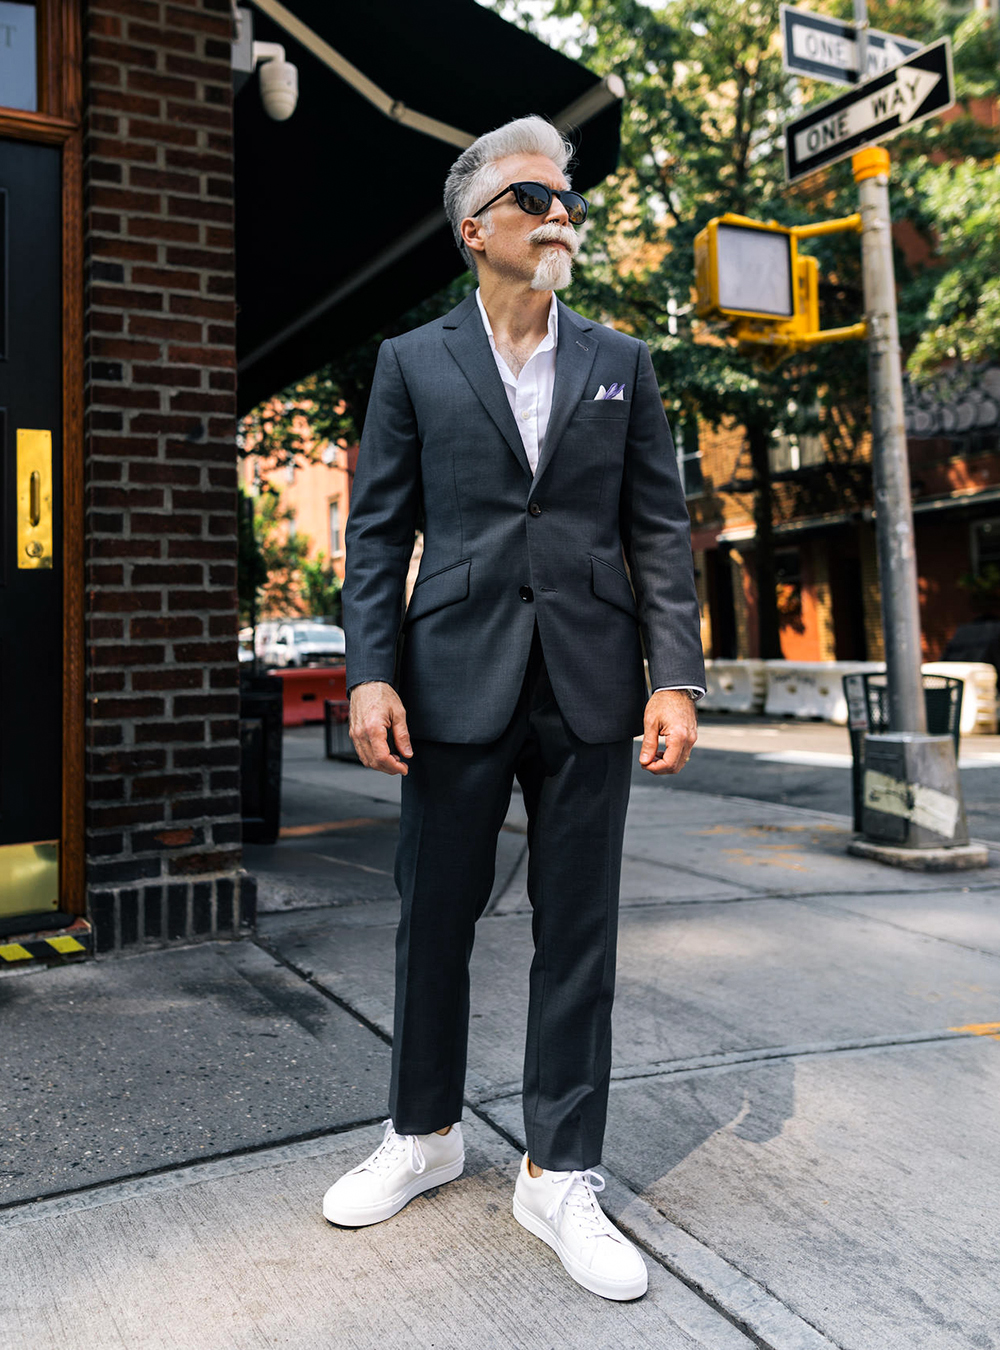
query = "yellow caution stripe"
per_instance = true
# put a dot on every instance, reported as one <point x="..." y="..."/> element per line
<point x="13" y="951"/>
<point x="56" y="947"/>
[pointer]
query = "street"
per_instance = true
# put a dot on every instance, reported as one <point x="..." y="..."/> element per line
<point x="802" y="1128"/>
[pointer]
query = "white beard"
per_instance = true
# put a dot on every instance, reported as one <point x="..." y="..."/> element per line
<point x="554" y="270"/>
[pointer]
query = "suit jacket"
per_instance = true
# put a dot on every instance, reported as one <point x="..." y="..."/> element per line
<point x="595" y="548"/>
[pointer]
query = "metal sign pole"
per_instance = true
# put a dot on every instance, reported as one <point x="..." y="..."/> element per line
<point x="893" y="507"/>
<point x="861" y="38"/>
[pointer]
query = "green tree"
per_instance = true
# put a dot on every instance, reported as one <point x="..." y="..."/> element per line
<point x="701" y="135"/>
<point x="283" y="553"/>
<point x="320" y="588"/>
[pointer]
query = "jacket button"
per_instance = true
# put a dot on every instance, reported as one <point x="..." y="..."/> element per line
<point x="526" y="593"/>
<point x="534" y="509"/>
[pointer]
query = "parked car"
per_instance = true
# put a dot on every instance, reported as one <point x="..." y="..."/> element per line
<point x="305" y="644"/>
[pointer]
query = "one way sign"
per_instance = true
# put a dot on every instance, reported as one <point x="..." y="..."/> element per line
<point x="922" y="86"/>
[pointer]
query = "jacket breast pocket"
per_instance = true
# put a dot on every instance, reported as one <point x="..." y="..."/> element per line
<point x="603" y="410"/>
<point x="612" y="585"/>
<point x="442" y="588"/>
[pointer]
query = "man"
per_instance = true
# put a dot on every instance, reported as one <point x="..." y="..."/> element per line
<point x="532" y="448"/>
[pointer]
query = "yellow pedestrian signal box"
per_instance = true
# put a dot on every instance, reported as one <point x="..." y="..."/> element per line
<point x="751" y="272"/>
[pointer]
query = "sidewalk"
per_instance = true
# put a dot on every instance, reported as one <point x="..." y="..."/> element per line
<point x="802" y="1136"/>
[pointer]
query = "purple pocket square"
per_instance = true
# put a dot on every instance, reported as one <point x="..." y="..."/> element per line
<point x="613" y="391"/>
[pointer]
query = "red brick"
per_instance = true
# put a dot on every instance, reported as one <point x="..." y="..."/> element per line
<point x="143" y="325"/>
<point x="125" y="398"/>
<point x="205" y="309"/>
<point x="169" y="278"/>
<point x="162" y="134"/>
<point x="98" y="629"/>
<point x="186" y="474"/>
<point x="128" y="602"/>
<point x="201" y="599"/>
<point x="124" y="350"/>
<point x="178" y="626"/>
<point x="168" y="574"/>
<point x="106" y="682"/>
<point x="162" y="38"/>
<point x="128" y="654"/>
<point x="128" y="761"/>
<point x="125" y="548"/>
<point x="184" y="19"/>
<point x="171" y="678"/>
<point x="195" y="208"/>
<point x="198" y="70"/>
<point x="121" y="199"/>
<point x="162" y="179"/>
<point x="205" y="651"/>
<point x="121" y="297"/>
<point x="200" y="402"/>
<point x="101" y="496"/>
<point x="196" y="864"/>
<point x="192" y="733"/>
<point x="122" y="54"/>
<point x="104" y="24"/>
<point x="169" y="376"/>
<point x="123" y="445"/>
<point x="178" y="232"/>
<point x="104" y="148"/>
<point x="103" y="72"/>
<point x="201" y="163"/>
<point x="110" y="816"/>
<point x="199" y="257"/>
<point x="217" y="237"/>
<point x="127" y="103"/>
<point x="170" y="86"/>
<point x="125" y="249"/>
<point x="148" y="10"/>
<point x="106" y="708"/>
<point x="203" y="356"/>
<point x="196" y="114"/>
<point x="165" y="524"/>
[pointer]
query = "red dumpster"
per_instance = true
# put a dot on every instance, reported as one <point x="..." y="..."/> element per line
<point x="306" y="690"/>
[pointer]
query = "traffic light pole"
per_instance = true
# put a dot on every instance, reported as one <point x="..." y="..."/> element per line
<point x="893" y="509"/>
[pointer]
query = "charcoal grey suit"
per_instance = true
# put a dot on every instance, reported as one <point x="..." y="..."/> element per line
<point x="520" y="653"/>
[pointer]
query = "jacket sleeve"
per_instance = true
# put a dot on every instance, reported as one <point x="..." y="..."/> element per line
<point x="381" y="524"/>
<point x="656" y="533"/>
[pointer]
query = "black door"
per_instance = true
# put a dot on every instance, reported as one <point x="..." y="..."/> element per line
<point x="30" y="527"/>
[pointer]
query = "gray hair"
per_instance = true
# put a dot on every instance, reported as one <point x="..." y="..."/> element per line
<point x="474" y="177"/>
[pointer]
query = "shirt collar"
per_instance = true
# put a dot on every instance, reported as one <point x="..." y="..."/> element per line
<point x="551" y="337"/>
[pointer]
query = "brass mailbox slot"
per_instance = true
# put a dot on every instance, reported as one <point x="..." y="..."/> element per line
<point x="34" y="498"/>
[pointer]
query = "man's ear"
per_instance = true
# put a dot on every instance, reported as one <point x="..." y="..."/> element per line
<point x="472" y="234"/>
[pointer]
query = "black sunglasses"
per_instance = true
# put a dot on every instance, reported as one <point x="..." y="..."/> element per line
<point x="536" y="198"/>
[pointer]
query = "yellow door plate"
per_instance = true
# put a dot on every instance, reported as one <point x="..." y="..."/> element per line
<point x="29" y="878"/>
<point x="34" y="498"/>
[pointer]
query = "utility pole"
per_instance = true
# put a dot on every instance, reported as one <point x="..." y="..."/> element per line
<point x="893" y="507"/>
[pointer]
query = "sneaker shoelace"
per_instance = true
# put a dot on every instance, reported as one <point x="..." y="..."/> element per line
<point x="576" y="1195"/>
<point x="391" y="1149"/>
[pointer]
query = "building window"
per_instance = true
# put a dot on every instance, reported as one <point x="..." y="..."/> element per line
<point x="18" y="61"/>
<point x="985" y="545"/>
<point x="688" y="453"/>
<point x="788" y="584"/>
<point x="791" y="451"/>
<point x="335" y="543"/>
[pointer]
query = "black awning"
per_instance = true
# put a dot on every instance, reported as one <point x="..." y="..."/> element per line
<point x="339" y="223"/>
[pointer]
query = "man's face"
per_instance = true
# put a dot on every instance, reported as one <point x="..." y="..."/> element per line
<point x="521" y="247"/>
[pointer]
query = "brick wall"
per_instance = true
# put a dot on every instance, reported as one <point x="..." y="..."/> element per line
<point x="163" y="837"/>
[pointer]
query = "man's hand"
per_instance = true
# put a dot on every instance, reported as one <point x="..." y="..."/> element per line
<point x="375" y="710"/>
<point x="669" y="714"/>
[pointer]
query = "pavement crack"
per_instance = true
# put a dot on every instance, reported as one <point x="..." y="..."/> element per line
<point x="265" y="945"/>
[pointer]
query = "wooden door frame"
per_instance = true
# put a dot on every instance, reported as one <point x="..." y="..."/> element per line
<point x="59" y="123"/>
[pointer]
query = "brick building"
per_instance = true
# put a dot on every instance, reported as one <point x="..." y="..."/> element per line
<point x="122" y="155"/>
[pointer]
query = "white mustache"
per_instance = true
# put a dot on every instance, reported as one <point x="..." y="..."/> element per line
<point x="556" y="234"/>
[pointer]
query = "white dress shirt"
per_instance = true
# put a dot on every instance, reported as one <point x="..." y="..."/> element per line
<point x="530" y="393"/>
<point x="530" y="397"/>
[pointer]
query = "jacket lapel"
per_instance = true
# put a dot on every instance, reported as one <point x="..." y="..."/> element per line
<point x="465" y="337"/>
<point x="575" y="354"/>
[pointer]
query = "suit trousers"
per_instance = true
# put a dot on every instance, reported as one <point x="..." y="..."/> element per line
<point x="454" y="801"/>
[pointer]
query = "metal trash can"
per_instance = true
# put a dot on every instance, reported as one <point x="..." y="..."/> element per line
<point x="261" y="707"/>
<point x="338" y="743"/>
<point x="867" y="696"/>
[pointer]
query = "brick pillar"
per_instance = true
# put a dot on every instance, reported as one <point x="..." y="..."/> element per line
<point x="163" y="838"/>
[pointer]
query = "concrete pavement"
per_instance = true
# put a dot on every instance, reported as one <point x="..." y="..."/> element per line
<point x="802" y="1135"/>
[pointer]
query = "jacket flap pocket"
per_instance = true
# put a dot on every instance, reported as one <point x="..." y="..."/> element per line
<point x="603" y="408"/>
<point x="611" y="585"/>
<point x="439" y="589"/>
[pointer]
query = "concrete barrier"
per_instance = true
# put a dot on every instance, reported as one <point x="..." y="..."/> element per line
<point x="811" y="689"/>
<point x="979" y="697"/>
<point x="735" y="686"/>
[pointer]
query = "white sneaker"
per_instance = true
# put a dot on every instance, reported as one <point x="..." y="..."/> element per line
<point x="401" y="1167"/>
<point x="561" y="1208"/>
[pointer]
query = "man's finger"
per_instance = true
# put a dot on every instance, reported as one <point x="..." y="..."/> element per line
<point x="650" y="741"/>
<point x="401" y="735"/>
